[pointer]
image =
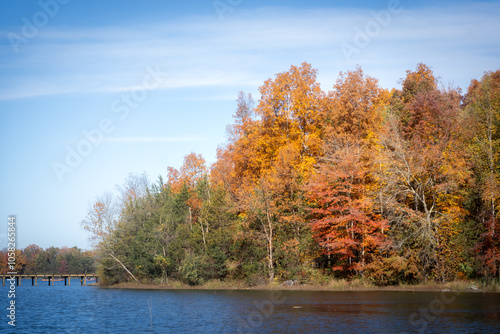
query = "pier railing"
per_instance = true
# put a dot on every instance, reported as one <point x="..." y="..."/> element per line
<point x="50" y="278"/>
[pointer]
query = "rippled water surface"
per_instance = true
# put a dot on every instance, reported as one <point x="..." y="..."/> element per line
<point x="80" y="309"/>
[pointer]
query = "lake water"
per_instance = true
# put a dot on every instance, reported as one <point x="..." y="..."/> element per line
<point x="87" y="309"/>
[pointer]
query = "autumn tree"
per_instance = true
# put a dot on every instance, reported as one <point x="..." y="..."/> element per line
<point x="420" y="81"/>
<point x="288" y="112"/>
<point x="354" y="106"/>
<point x="483" y="121"/>
<point x="345" y="222"/>
<point x="275" y="211"/>
<point x="30" y="253"/>
<point x="101" y="218"/>
<point x="192" y="174"/>
<point x="424" y="171"/>
<point x="233" y="158"/>
<point x="281" y="148"/>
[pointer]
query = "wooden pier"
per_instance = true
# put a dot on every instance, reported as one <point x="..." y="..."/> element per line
<point x="50" y="278"/>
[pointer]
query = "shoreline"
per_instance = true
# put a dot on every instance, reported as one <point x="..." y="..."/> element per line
<point x="460" y="286"/>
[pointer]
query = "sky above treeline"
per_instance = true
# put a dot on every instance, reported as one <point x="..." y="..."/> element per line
<point x="91" y="91"/>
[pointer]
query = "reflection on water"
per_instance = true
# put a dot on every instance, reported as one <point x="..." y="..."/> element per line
<point x="77" y="309"/>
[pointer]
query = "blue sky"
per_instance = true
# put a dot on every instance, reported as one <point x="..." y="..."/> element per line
<point x="152" y="81"/>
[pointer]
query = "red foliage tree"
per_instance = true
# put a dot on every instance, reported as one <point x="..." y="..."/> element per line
<point x="344" y="225"/>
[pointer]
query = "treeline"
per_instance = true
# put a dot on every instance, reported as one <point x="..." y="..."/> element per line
<point x="392" y="186"/>
<point x="53" y="260"/>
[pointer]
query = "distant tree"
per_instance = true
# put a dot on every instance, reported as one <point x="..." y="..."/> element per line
<point x="30" y="253"/>
<point x="63" y="267"/>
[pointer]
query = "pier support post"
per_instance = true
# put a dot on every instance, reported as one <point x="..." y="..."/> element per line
<point x="49" y="280"/>
<point x="36" y="280"/>
<point x="32" y="280"/>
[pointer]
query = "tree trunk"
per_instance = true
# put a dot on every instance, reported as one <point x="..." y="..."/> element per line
<point x="270" y="249"/>
<point x="123" y="267"/>
<point x="203" y="235"/>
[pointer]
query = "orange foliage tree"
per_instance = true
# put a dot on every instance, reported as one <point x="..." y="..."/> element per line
<point x="345" y="222"/>
<point x="192" y="172"/>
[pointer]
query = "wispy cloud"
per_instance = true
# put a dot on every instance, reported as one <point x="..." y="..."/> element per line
<point x="204" y="52"/>
<point x="181" y="139"/>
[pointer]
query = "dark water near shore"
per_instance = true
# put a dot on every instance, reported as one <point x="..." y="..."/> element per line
<point x="77" y="309"/>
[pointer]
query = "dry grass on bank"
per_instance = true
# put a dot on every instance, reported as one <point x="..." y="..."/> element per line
<point x="332" y="285"/>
